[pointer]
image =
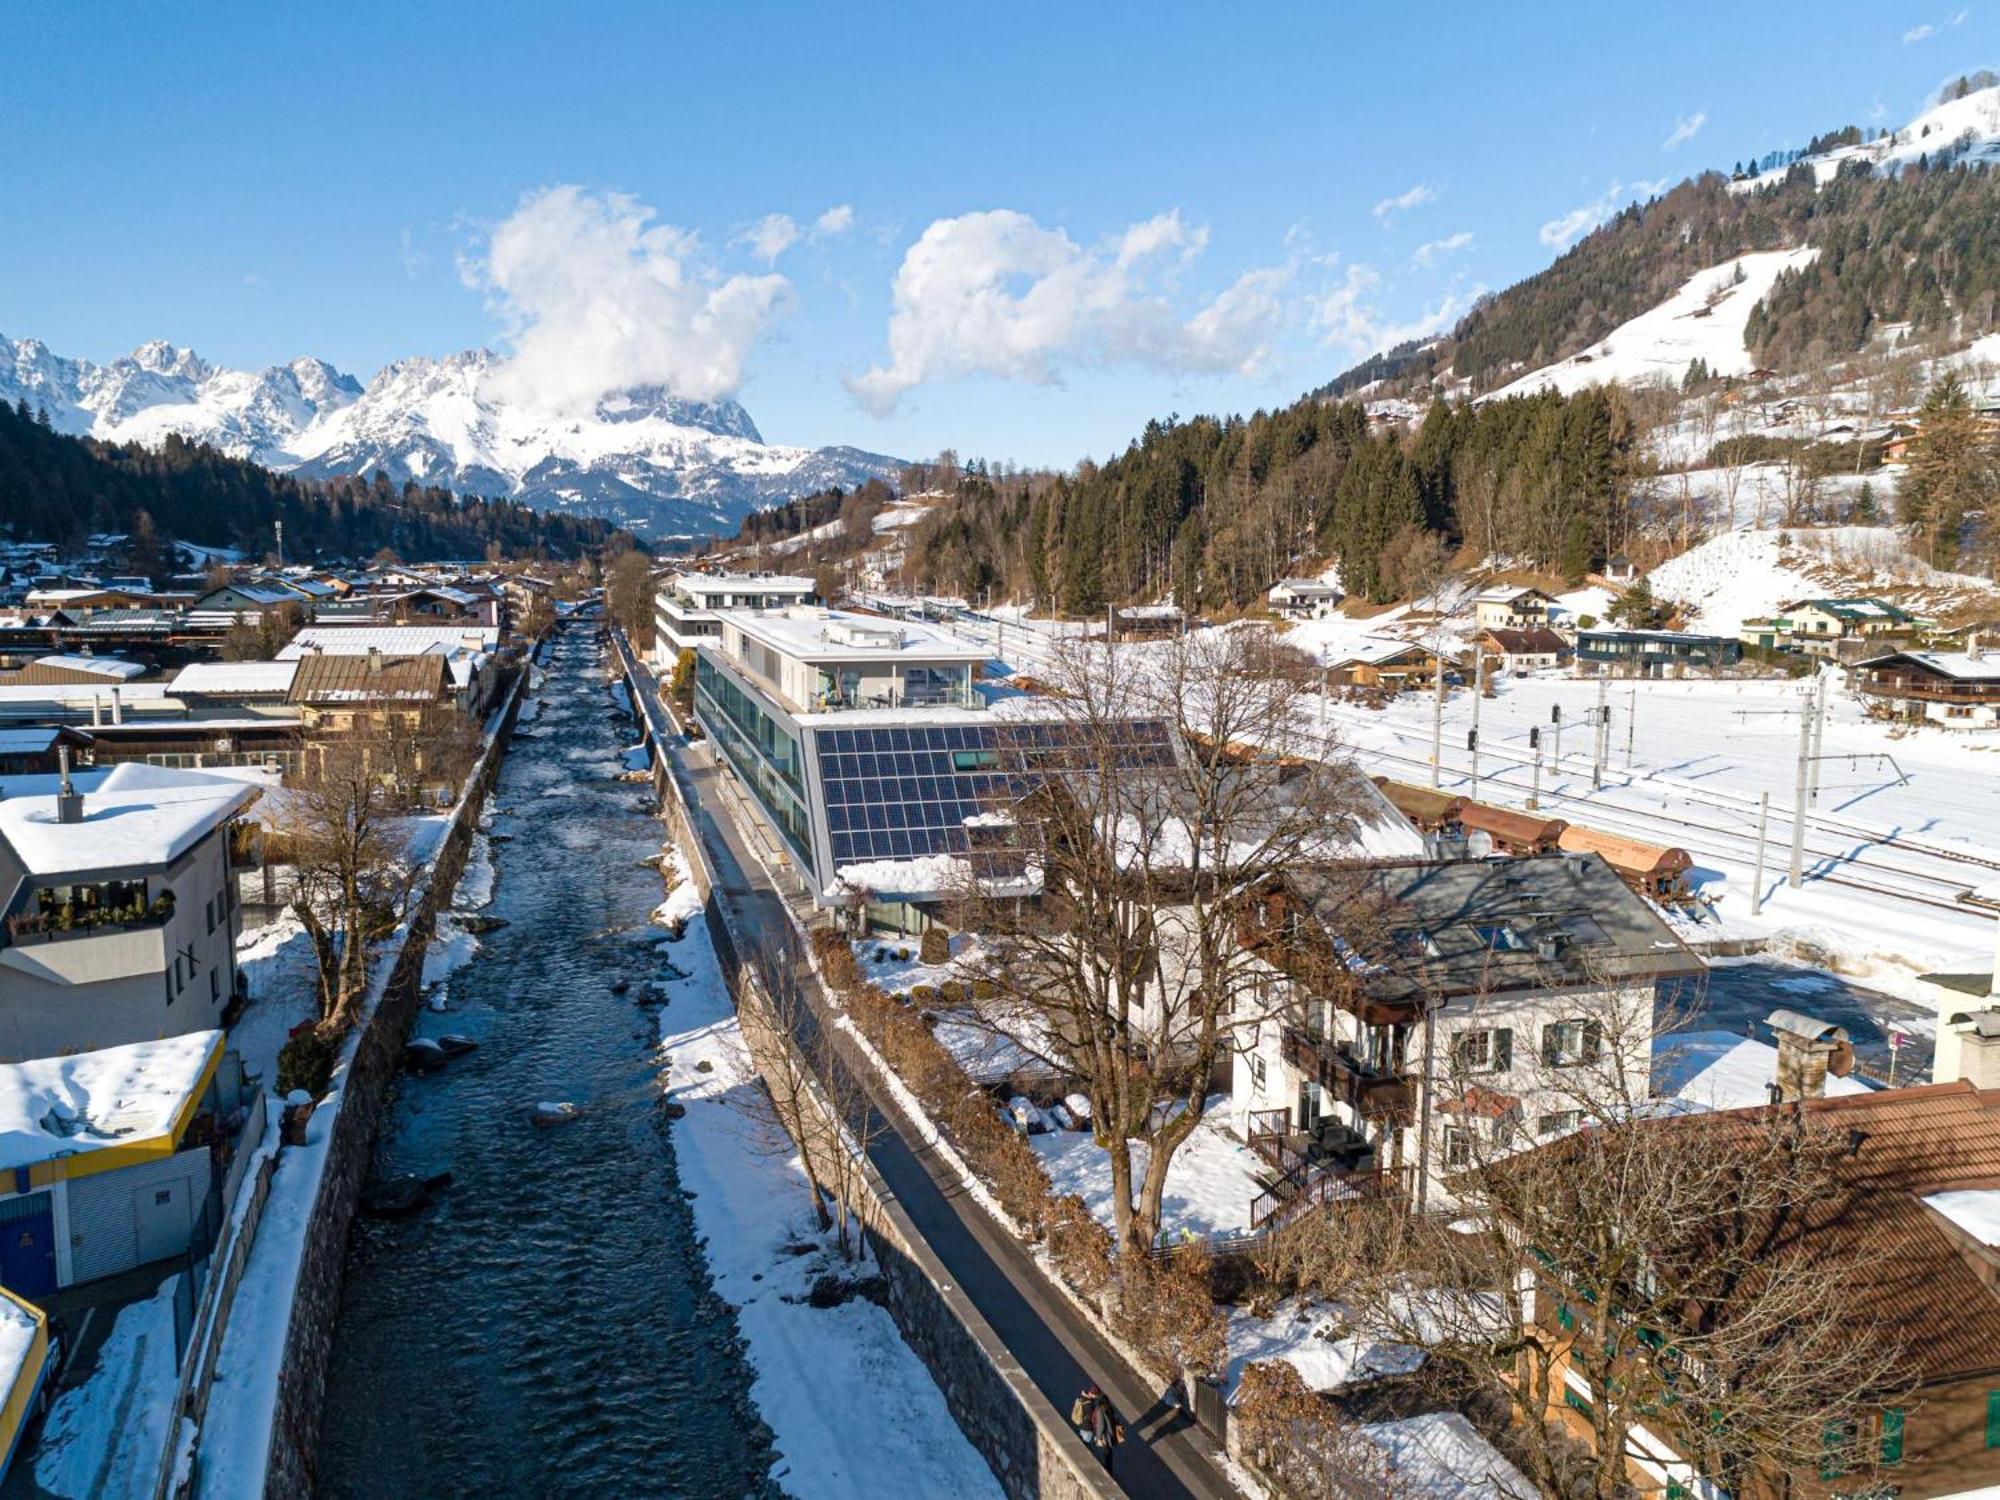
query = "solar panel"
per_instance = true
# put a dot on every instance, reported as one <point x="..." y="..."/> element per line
<point x="905" y="792"/>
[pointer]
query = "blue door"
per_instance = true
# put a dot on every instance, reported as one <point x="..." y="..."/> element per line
<point x="28" y="1245"/>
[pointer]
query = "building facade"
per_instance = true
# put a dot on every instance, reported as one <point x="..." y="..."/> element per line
<point x="687" y="606"/>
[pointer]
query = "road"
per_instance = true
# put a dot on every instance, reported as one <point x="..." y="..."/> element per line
<point x="1166" y="1455"/>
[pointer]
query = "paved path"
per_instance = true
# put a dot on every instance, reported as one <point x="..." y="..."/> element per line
<point x="1166" y="1456"/>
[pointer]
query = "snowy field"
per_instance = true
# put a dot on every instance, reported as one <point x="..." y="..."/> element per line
<point x="855" y="1414"/>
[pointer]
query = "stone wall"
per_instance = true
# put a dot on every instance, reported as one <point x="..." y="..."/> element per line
<point x="374" y="1060"/>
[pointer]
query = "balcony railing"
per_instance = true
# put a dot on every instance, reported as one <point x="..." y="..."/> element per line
<point x="1373" y="1093"/>
<point x="1935" y="692"/>
<point x="70" y="922"/>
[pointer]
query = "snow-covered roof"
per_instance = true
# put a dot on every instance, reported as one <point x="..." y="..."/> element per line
<point x="134" y="816"/>
<point x="1975" y="1210"/>
<point x="107" y="667"/>
<point x="697" y="584"/>
<point x="830" y="635"/>
<point x="1721" y="1070"/>
<point x="33" y="739"/>
<point x="390" y="640"/>
<point x="1959" y="665"/>
<point x="1372" y="650"/>
<point x="139" y="1095"/>
<point x="235" y="678"/>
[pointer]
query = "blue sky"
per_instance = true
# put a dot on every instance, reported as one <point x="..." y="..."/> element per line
<point x="1048" y="223"/>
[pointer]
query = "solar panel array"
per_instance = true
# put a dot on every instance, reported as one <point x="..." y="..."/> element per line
<point x="904" y="793"/>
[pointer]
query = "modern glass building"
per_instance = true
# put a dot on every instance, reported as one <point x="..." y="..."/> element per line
<point x="867" y="748"/>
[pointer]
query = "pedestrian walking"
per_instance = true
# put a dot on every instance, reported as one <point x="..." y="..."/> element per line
<point x="1097" y="1424"/>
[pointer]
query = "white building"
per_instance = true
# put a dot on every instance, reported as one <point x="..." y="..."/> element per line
<point x="120" y="913"/>
<point x="1304" y="598"/>
<point x="1413" y="1006"/>
<point x="1511" y="609"/>
<point x="687" y="606"/>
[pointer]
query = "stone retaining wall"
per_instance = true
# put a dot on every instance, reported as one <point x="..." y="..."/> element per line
<point x="374" y="1060"/>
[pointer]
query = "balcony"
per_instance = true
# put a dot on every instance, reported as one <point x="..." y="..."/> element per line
<point x="1929" y="691"/>
<point x="1372" y="1093"/>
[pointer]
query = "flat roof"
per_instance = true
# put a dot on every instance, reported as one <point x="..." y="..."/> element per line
<point x="138" y="1097"/>
<point x="830" y="635"/>
<point x="133" y="815"/>
<point x="723" y="583"/>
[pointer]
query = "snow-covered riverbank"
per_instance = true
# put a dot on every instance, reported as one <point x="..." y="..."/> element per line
<point x="853" y="1410"/>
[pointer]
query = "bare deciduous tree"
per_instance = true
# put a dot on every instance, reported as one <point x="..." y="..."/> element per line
<point x="1128" y="973"/>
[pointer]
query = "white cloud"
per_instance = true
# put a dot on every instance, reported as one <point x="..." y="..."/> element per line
<point x="1926" y="31"/>
<point x="1346" y="317"/>
<point x="1433" y="251"/>
<point x="835" y="222"/>
<point x="996" y="293"/>
<point x="770" y="237"/>
<point x="1579" y="221"/>
<point x="1686" y="128"/>
<point x="1403" y="202"/>
<point x="598" y="299"/>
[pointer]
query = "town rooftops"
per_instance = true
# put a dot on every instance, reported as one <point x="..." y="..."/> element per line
<point x="1475" y="926"/>
<point x="829" y="635"/>
<point x="93" y="1111"/>
<point x="134" y="816"/>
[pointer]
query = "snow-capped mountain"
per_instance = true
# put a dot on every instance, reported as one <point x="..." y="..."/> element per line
<point x="643" y="457"/>
<point x="1963" y="132"/>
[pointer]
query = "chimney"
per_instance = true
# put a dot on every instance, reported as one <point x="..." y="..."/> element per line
<point x="374" y="659"/>
<point x="117" y="707"/>
<point x="1979" y="1050"/>
<point x="96" y="712"/>
<point x="1808" y="1050"/>
<point x="69" y="801"/>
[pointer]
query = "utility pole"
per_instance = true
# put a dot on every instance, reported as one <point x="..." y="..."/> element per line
<point x="1763" y="826"/>
<point x="1798" y="874"/>
<point x="1631" y="727"/>
<point x="1819" y="736"/>
<point x="1437" y="713"/>
<point x="1603" y="734"/>
<point x="1478" y="692"/>
<point x="1535" y="786"/>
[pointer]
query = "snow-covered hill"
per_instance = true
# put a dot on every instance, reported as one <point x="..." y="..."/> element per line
<point x="642" y="457"/>
<point x="1704" y="320"/>
<point x="1741" y="575"/>
<point x="1963" y="130"/>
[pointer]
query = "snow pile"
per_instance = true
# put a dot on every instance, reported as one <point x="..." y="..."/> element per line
<point x="683" y="903"/>
<point x="1704" y="320"/>
<point x="1439" y="1455"/>
<point x="1210" y="1182"/>
<point x="1315" y="1340"/>
<point x="1721" y="1070"/>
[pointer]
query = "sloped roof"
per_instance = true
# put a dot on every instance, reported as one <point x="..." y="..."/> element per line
<point x="1540" y="641"/>
<point x="325" y="678"/>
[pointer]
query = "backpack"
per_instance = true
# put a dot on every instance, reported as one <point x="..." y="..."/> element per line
<point x="1078" y="1417"/>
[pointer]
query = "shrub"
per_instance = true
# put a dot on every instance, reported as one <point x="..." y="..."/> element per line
<point x="1081" y="1248"/>
<point x="1169" y="1310"/>
<point x="306" y="1062"/>
<point x="935" y="947"/>
<point x="1298" y="1440"/>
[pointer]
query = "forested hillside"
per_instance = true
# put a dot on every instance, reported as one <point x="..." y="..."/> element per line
<point x="1921" y="248"/>
<point x="1214" y="511"/>
<point x="59" y="488"/>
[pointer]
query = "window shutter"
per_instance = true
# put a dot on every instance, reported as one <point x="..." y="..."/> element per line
<point x="1593" y="1040"/>
<point x="1892" y="1435"/>
<point x="1503" y="1049"/>
<point x="1551" y="1044"/>
<point x="1993" y="1419"/>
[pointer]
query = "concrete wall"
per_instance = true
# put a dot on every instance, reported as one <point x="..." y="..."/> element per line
<point x="376" y="1060"/>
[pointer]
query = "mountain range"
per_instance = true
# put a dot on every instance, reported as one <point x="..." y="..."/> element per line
<point x="643" y="458"/>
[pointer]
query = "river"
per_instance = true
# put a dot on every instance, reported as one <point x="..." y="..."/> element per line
<point x="546" y="1327"/>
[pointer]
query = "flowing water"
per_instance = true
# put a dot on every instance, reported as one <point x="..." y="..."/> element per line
<point x="546" y="1327"/>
